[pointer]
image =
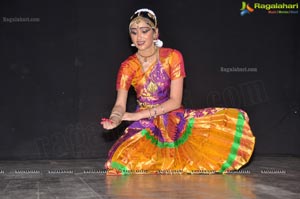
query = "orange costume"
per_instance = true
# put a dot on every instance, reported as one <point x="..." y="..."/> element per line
<point x="183" y="141"/>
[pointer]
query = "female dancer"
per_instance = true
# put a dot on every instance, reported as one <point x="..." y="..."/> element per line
<point x="164" y="136"/>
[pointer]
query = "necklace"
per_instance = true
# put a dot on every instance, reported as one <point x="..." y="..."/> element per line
<point x="146" y="57"/>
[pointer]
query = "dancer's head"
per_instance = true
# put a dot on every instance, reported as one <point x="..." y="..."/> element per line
<point x="143" y="29"/>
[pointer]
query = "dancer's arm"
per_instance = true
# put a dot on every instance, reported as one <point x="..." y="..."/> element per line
<point x="117" y="111"/>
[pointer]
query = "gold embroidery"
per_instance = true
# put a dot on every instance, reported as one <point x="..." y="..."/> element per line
<point x="152" y="87"/>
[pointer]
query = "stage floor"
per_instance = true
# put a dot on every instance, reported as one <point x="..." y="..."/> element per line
<point x="264" y="177"/>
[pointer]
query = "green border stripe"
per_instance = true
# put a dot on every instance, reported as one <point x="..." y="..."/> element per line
<point x="236" y="143"/>
<point x="175" y="144"/>
<point x="153" y="140"/>
<point x="120" y="167"/>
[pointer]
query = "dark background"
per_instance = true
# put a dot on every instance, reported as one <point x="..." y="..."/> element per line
<point x="58" y="74"/>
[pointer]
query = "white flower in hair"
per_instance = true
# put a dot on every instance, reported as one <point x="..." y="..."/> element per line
<point x="145" y="10"/>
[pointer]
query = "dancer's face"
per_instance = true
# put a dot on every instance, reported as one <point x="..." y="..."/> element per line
<point x="142" y="35"/>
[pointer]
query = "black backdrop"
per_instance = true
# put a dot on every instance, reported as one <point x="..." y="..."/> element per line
<point x="58" y="74"/>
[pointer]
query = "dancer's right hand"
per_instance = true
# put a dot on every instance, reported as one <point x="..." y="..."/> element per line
<point x="109" y="123"/>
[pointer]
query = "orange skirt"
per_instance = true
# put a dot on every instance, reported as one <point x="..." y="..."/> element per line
<point x="184" y="141"/>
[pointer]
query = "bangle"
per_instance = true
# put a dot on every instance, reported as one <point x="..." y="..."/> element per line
<point x="162" y="109"/>
<point x="117" y="114"/>
<point x="155" y="112"/>
<point x="150" y="116"/>
<point x="117" y="120"/>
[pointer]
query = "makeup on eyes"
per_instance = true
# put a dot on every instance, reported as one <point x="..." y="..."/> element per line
<point x="143" y="29"/>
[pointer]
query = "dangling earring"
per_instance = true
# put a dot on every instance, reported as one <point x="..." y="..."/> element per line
<point x="133" y="45"/>
<point x="158" y="43"/>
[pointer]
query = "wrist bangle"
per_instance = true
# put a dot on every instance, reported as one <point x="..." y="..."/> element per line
<point x="150" y="116"/>
<point x="162" y="109"/>
<point x="155" y="112"/>
<point x="116" y="114"/>
<point x="117" y="120"/>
